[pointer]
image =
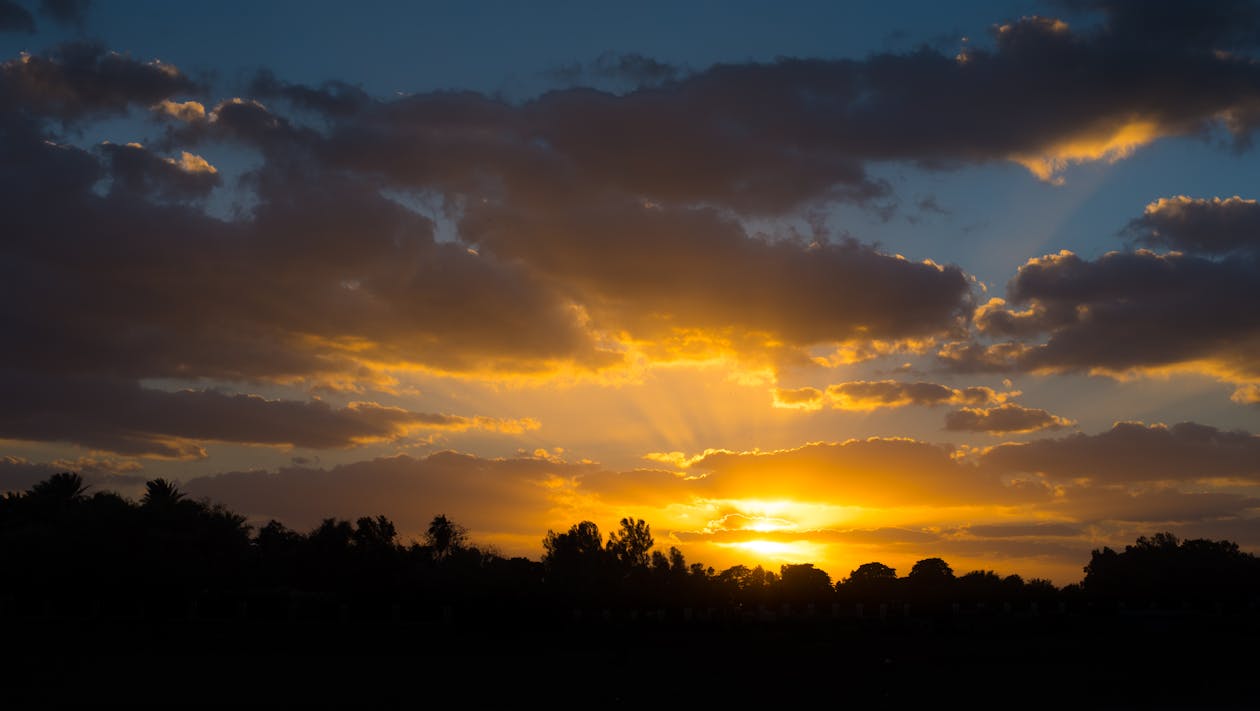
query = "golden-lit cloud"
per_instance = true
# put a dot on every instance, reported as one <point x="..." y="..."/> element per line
<point x="864" y="395"/>
<point x="1108" y="143"/>
<point x="806" y="398"/>
<point x="187" y="111"/>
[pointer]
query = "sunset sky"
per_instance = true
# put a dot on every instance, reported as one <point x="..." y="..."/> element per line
<point x="794" y="282"/>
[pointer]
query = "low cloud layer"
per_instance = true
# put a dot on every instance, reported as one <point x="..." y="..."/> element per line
<point x="1136" y="452"/>
<point x="122" y="417"/>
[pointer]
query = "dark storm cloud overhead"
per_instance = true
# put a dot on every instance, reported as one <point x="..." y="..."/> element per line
<point x="1126" y="310"/>
<point x="80" y="79"/>
<point x="15" y="18"/>
<point x="1134" y="452"/>
<point x="1199" y="225"/>
<point x="1004" y="418"/>
<point x="126" y="418"/>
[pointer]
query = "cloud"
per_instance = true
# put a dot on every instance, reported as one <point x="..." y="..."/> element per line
<point x="889" y="536"/>
<point x="15" y="18"/>
<point x="187" y="111"/>
<point x="1125" y="312"/>
<point x="327" y="280"/>
<point x="125" y="418"/>
<point x="806" y="398"/>
<point x="589" y="231"/>
<point x="1024" y="530"/>
<point x="1199" y="225"/>
<point x="620" y="70"/>
<point x="1162" y="506"/>
<point x="66" y="12"/>
<point x="1135" y="452"/>
<point x="138" y="171"/>
<point x="872" y="472"/>
<point x="505" y="501"/>
<point x="79" y="79"/>
<point x="1008" y="417"/>
<point x="769" y="138"/>
<point x="332" y="98"/>
<point x="654" y="270"/>
<point x="18" y="474"/>
<point x="871" y="395"/>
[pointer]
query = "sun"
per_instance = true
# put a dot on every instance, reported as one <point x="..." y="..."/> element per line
<point x="770" y="549"/>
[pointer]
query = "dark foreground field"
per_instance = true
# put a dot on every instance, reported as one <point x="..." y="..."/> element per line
<point x="1114" y="661"/>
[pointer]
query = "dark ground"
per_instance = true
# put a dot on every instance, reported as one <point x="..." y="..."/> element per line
<point x="1117" y="661"/>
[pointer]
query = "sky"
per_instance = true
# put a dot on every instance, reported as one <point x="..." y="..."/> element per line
<point x="793" y="282"/>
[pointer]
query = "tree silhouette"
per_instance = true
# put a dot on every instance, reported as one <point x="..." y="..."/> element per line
<point x="575" y="556"/>
<point x="1164" y="569"/>
<point x="161" y="494"/>
<point x="445" y="537"/>
<point x="630" y="546"/>
<point x="58" y="490"/>
<point x="872" y="582"/>
<point x="804" y="583"/>
<point x="930" y="578"/>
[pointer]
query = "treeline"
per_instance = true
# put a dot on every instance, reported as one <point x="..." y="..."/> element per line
<point x="67" y="551"/>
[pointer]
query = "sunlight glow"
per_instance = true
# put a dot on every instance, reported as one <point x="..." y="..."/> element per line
<point x="1109" y="145"/>
<point x="769" y="548"/>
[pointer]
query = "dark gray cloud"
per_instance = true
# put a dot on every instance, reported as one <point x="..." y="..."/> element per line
<point x="326" y="274"/>
<point x="333" y="98"/>
<point x="868" y="394"/>
<point x="629" y="70"/>
<point x="1024" y="530"/>
<point x="139" y="171"/>
<point x="766" y="138"/>
<point x="1199" y="225"/>
<point x="79" y="79"/>
<point x="1135" y="452"/>
<point x="1107" y="506"/>
<point x="123" y="417"/>
<point x="66" y="12"/>
<point x="18" y="474"/>
<point x="1007" y="417"/>
<point x="1227" y="24"/>
<point x="1124" y="311"/>
<point x="655" y="269"/>
<point x="15" y="18"/>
